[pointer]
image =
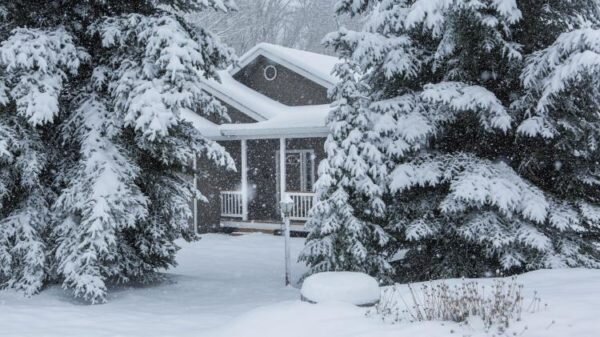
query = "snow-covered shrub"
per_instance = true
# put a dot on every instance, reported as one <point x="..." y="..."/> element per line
<point x="497" y="305"/>
<point x="348" y="287"/>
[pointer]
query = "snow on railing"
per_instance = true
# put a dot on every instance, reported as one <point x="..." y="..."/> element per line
<point x="303" y="202"/>
<point x="231" y="204"/>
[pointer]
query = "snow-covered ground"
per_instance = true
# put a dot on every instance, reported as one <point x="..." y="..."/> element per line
<point x="230" y="286"/>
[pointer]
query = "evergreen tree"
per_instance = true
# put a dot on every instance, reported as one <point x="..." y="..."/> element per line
<point x="35" y="65"/>
<point x="489" y="140"/>
<point x="345" y="231"/>
<point x="94" y="151"/>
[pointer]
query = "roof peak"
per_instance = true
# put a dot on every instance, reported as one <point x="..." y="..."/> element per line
<point x="317" y="67"/>
<point x="274" y="45"/>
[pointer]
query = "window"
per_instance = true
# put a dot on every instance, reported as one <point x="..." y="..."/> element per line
<point x="270" y="72"/>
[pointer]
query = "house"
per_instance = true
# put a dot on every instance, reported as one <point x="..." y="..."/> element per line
<point x="277" y="101"/>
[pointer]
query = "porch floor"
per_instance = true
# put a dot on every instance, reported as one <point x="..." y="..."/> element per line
<point x="261" y="225"/>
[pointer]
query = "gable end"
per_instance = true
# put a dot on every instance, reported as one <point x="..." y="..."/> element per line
<point x="281" y="83"/>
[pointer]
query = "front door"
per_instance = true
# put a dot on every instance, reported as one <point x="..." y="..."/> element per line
<point x="299" y="169"/>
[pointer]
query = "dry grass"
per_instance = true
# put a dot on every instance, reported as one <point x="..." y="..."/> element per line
<point x="497" y="305"/>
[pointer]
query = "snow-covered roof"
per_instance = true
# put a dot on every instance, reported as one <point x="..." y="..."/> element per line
<point x="317" y="67"/>
<point x="274" y="118"/>
<point x="299" y="121"/>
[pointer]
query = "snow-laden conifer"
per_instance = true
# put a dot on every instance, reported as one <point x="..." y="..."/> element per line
<point x="35" y="65"/>
<point x="486" y="118"/>
<point x="93" y="94"/>
<point x="345" y="222"/>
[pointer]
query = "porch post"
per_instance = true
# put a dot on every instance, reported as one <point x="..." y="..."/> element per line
<point x="195" y="208"/>
<point x="244" y="180"/>
<point x="282" y="172"/>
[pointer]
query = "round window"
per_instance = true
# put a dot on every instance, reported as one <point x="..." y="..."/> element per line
<point x="270" y="72"/>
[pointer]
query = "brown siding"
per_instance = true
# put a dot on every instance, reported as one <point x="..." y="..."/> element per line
<point x="288" y="88"/>
<point x="211" y="181"/>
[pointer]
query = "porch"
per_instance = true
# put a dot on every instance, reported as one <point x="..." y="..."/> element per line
<point x="234" y="214"/>
<point x="267" y="169"/>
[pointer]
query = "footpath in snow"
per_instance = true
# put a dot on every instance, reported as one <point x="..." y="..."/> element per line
<point x="228" y="286"/>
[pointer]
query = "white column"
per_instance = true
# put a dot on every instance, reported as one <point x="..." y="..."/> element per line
<point x="195" y="206"/>
<point x="244" y="180"/>
<point x="282" y="172"/>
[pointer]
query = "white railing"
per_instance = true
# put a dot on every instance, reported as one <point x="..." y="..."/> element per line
<point x="231" y="204"/>
<point x="303" y="202"/>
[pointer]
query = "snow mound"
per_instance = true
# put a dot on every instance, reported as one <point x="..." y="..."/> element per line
<point x="349" y="287"/>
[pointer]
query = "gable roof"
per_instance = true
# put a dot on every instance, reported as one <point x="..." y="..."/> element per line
<point x="274" y="119"/>
<point x="252" y="103"/>
<point x="316" y="67"/>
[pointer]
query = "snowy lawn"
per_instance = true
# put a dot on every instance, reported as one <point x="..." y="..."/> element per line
<point x="233" y="286"/>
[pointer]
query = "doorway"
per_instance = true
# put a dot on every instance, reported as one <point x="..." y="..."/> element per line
<point x="299" y="169"/>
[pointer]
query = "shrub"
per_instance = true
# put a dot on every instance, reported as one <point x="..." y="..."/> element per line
<point x="497" y="305"/>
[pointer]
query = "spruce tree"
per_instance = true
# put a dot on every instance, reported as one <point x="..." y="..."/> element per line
<point x="489" y="139"/>
<point x="345" y="231"/>
<point x="94" y="150"/>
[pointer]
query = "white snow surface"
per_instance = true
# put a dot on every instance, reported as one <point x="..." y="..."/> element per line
<point x="228" y="286"/>
<point x="347" y="287"/>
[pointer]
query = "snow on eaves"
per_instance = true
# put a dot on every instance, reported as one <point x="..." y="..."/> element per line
<point x="317" y="67"/>
<point x="241" y="97"/>
<point x="206" y="127"/>
<point x="299" y="121"/>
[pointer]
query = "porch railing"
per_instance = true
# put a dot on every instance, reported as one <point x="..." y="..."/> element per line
<point x="231" y="204"/>
<point x="232" y="207"/>
<point x="303" y="202"/>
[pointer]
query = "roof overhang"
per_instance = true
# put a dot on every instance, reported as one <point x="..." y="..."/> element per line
<point x="273" y="133"/>
<point x="257" y="116"/>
